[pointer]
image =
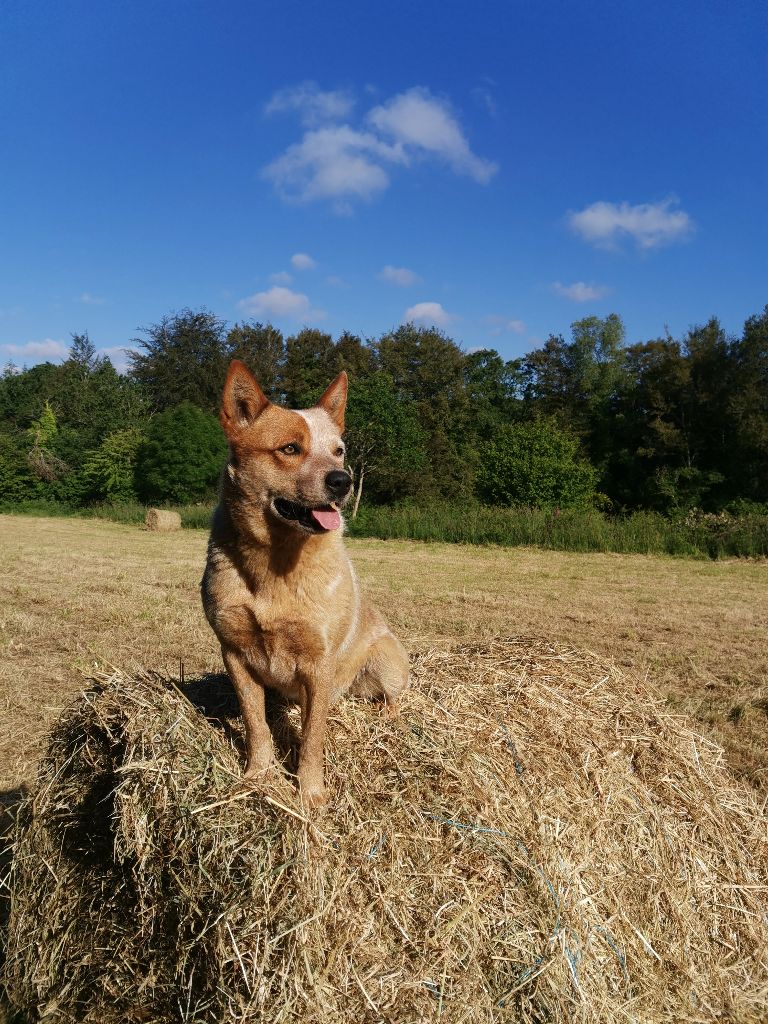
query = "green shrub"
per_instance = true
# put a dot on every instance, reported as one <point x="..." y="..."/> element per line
<point x="17" y="483"/>
<point x="535" y="464"/>
<point x="181" y="459"/>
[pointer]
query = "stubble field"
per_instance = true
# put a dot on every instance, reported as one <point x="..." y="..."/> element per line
<point x="81" y="596"/>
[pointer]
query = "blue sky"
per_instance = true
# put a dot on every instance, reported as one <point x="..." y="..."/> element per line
<point x="498" y="168"/>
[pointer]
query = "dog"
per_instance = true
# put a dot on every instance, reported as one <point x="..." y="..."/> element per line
<point x="279" y="590"/>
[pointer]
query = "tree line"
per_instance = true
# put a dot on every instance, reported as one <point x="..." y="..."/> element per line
<point x="585" y="421"/>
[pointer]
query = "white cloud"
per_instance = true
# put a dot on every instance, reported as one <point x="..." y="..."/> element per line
<point x="333" y="162"/>
<point x="580" y="291"/>
<point x="484" y="98"/>
<point x="91" y="300"/>
<point x="500" y="324"/>
<point x="338" y="161"/>
<point x="38" y="350"/>
<point x="313" y="106"/>
<point x="335" y="281"/>
<point x="648" y="224"/>
<point x="281" y="303"/>
<point x="301" y="261"/>
<point x="418" y="119"/>
<point x="401" y="276"/>
<point x="428" y="313"/>
<point x="281" y="277"/>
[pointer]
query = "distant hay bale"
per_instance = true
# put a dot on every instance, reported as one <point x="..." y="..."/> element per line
<point x="535" y="839"/>
<point x="161" y="520"/>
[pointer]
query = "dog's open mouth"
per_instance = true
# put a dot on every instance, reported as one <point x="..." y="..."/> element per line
<point x="316" y="520"/>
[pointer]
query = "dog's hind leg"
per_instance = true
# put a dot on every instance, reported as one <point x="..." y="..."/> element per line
<point x="250" y="693"/>
<point x="385" y="672"/>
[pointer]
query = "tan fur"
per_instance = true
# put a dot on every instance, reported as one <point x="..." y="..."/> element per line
<point x="284" y="603"/>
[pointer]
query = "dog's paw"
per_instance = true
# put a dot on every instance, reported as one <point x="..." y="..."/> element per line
<point x="390" y="709"/>
<point x="257" y="774"/>
<point x="313" y="793"/>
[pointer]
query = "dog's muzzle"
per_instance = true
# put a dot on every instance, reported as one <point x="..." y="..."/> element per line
<point x="338" y="484"/>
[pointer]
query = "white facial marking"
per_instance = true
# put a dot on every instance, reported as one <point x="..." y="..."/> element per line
<point x="323" y="432"/>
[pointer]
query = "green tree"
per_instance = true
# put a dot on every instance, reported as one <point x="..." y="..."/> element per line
<point x="492" y="387"/>
<point x="670" y="444"/>
<point x="309" y="367"/>
<point x="428" y="369"/>
<point x="748" y="411"/>
<point x="182" y="456"/>
<point x="386" y="447"/>
<point x="42" y="458"/>
<point x="23" y="393"/>
<point x="92" y="399"/>
<point x="537" y="464"/>
<point x="183" y="358"/>
<point x="350" y="353"/>
<point x="652" y="431"/>
<point x="17" y="482"/>
<point x="709" y="354"/>
<point x="262" y="349"/>
<point x="108" y="472"/>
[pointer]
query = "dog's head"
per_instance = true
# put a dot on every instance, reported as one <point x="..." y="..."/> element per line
<point x="288" y="462"/>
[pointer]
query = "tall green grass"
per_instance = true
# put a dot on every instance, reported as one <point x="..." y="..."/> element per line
<point x="131" y="513"/>
<point x="696" y="535"/>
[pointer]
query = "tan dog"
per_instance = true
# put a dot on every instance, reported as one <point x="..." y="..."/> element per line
<point x="279" y="589"/>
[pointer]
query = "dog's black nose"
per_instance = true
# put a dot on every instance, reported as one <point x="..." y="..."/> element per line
<point x="337" y="483"/>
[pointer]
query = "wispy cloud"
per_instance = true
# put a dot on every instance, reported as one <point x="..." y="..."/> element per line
<point x="313" y="105"/>
<point x="417" y="119"/>
<point x="428" y="313"/>
<point x="483" y="96"/>
<point x="301" y="261"/>
<point x="580" y="291"/>
<point x="502" y="324"/>
<point x="36" y="350"/>
<point x="91" y="300"/>
<point x="649" y="225"/>
<point x="335" y="160"/>
<point x="401" y="276"/>
<point x="281" y="277"/>
<point x="280" y="303"/>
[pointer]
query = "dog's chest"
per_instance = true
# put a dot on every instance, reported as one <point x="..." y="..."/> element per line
<point x="288" y="630"/>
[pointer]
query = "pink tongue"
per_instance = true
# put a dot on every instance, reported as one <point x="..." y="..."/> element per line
<point x="328" y="518"/>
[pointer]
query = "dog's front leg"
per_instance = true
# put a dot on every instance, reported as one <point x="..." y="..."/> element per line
<point x="250" y="693"/>
<point x="315" y="700"/>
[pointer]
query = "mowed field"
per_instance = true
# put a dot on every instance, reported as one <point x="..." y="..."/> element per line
<point x="79" y="597"/>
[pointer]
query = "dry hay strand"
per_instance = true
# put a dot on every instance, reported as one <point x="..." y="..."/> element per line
<point x="535" y="839"/>
<point x="162" y="520"/>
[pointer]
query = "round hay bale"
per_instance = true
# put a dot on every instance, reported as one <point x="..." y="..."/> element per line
<point x="161" y="520"/>
<point x="535" y="839"/>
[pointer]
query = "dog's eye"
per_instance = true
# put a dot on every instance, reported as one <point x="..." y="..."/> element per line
<point x="290" y="449"/>
<point x="339" y="450"/>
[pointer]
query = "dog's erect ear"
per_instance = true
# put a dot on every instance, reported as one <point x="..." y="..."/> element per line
<point x="334" y="400"/>
<point x="243" y="399"/>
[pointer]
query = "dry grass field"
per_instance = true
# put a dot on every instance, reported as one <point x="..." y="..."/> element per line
<point x="83" y="595"/>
